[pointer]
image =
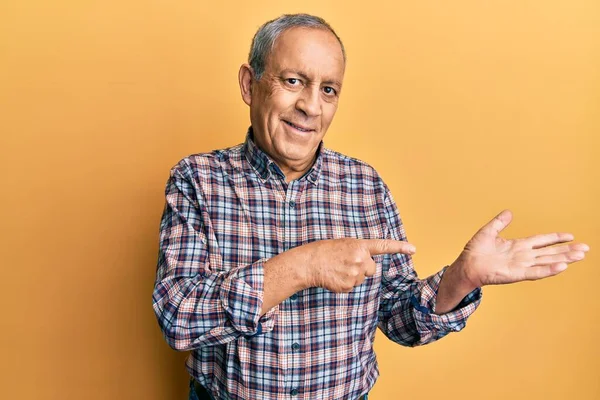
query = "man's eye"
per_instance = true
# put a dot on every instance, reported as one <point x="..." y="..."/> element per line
<point x="292" y="81"/>
<point x="329" y="90"/>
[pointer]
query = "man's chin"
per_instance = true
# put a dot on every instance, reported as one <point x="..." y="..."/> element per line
<point x="297" y="156"/>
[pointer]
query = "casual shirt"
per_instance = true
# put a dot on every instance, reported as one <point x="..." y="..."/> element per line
<point x="229" y="211"/>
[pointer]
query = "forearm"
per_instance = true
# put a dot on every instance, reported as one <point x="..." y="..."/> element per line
<point x="454" y="286"/>
<point x="284" y="275"/>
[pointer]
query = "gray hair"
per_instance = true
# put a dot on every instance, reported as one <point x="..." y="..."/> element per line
<point x="267" y="34"/>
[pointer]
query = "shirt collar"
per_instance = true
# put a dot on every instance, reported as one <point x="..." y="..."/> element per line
<point x="265" y="167"/>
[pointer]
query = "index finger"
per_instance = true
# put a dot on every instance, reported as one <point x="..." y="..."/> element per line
<point x="388" y="246"/>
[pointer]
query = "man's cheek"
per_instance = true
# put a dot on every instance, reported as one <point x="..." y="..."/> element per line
<point x="328" y="115"/>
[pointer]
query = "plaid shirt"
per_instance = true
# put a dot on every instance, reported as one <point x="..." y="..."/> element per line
<point x="229" y="211"/>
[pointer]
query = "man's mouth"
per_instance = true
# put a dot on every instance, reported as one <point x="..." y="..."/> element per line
<point x="299" y="127"/>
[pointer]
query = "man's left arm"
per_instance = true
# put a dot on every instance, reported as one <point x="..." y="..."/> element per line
<point x="407" y="304"/>
<point x="415" y="312"/>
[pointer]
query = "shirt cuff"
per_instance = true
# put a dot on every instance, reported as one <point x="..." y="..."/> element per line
<point x="242" y="294"/>
<point x="433" y="326"/>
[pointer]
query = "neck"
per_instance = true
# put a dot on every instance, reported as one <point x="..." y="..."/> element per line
<point x="294" y="171"/>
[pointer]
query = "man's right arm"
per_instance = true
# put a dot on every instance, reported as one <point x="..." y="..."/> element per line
<point x="196" y="305"/>
<point x="337" y="265"/>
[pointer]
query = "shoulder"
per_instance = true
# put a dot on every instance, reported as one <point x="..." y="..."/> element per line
<point x="201" y="166"/>
<point x="338" y="166"/>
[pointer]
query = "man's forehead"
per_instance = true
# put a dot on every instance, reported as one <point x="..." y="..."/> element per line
<point x="315" y="53"/>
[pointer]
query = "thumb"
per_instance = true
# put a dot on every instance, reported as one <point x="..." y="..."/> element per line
<point x="388" y="246"/>
<point x="497" y="225"/>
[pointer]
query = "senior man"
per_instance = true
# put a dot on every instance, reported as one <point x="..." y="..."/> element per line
<point x="279" y="258"/>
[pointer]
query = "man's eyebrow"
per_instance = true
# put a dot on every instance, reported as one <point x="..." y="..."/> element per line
<point x="306" y="77"/>
<point x="333" y="82"/>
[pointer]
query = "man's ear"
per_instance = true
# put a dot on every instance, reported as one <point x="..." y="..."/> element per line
<point x="245" y="77"/>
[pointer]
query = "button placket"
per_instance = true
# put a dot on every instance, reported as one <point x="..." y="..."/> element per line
<point x="291" y="222"/>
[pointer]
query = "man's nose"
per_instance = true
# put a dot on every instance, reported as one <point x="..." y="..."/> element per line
<point x="309" y="102"/>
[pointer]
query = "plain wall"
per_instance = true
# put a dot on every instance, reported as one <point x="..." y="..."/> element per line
<point x="464" y="107"/>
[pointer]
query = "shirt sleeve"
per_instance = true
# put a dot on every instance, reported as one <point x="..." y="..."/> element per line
<point x="407" y="303"/>
<point x="195" y="305"/>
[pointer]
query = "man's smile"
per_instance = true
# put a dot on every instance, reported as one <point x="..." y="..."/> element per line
<point x="300" y="128"/>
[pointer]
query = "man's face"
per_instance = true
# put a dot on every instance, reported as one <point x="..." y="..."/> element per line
<point x="295" y="100"/>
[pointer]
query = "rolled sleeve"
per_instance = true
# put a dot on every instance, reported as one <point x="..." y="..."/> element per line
<point x="242" y="297"/>
<point x="433" y="326"/>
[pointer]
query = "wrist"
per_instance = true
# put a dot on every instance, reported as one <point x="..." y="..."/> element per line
<point x="306" y="268"/>
<point x="297" y="263"/>
<point x="464" y="277"/>
<point x="456" y="283"/>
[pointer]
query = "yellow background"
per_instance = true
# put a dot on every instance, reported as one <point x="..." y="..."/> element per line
<point x="465" y="108"/>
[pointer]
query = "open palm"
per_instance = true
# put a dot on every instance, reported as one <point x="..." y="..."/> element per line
<point x="492" y="260"/>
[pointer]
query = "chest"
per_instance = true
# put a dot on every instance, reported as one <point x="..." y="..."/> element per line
<point x="249" y="220"/>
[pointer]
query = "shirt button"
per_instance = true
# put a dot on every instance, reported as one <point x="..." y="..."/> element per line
<point x="292" y="204"/>
<point x="294" y="297"/>
<point x="296" y="346"/>
<point x="294" y="392"/>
